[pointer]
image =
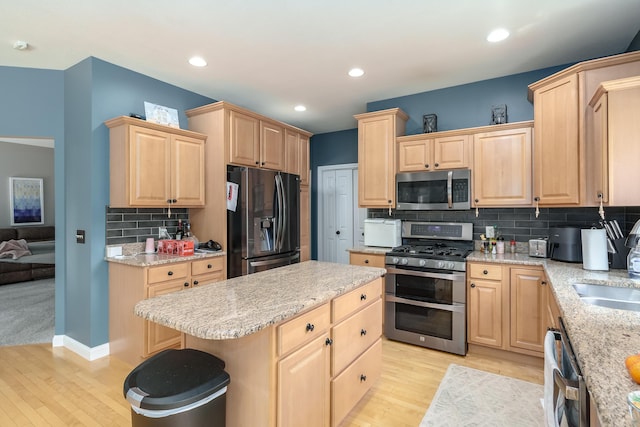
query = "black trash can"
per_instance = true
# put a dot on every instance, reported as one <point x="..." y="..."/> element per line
<point x="178" y="388"/>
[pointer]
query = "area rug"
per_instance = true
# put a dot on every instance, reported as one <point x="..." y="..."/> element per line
<point x="27" y="312"/>
<point x="469" y="397"/>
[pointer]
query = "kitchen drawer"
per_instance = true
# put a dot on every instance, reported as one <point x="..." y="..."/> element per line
<point x="206" y="266"/>
<point x="349" y="387"/>
<point x="355" y="335"/>
<point x="354" y="300"/>
<point x="366" y="260"/>
<point x="485" y="271"/>
<point x="168" y="272"/>
<point x="303" y="329"/>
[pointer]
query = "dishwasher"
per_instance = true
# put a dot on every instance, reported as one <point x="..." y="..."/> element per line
<point x="566" y="399"/>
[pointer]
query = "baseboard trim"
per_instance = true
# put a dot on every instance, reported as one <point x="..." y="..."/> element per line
<point x="89" y="353"/>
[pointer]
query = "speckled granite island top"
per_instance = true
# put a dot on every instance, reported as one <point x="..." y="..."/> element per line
<point x="244" y="305"/>
<point x="601" y="337"/>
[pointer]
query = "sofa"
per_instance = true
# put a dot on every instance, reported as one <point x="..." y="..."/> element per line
<point x="39" y="265"/>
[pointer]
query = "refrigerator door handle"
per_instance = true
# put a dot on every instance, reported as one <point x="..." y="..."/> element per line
<point x="285" y="210"/>
<point x="279" y="226"/>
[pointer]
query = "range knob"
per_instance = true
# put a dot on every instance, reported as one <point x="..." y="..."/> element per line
<point x="395" y="260"/>
<point x="404" y="261"/>
<point x="422" y="262"/>
<point x="441" y="264"/>
<point x="450" y="265"/>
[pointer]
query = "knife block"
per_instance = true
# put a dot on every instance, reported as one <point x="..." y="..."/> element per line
<point x="619" y="259"/>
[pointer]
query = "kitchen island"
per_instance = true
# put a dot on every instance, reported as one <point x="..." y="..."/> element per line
<point x="294" y="338"/>
<point x="601" y="337"/>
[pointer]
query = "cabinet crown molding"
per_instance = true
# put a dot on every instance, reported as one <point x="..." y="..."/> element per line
<point x="126" y="120"/>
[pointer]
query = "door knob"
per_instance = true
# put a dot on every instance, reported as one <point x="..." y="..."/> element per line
<point x="338" y="232"/>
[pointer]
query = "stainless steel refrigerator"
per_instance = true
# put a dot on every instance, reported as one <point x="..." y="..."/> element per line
<point x="263" y="231"/>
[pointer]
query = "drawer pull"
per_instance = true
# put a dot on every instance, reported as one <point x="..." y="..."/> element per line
<point x="485" y="272"/>
<point x="195" y="283"/>
<point x="363" y="332"/>
<point x="473" y="285"/>
<point x="186" y="284"/>
<point x="209" y="266"/>
<point x="328" y="341"/>
<point x="310" y="327"/>
<point x="170" y="273"/>
<point x="366" y="261"/>
<point x="363" y="377"/>
<point x="427" y="166"/>
<point x="543" y="282"/>
<point x="363" y="297"/>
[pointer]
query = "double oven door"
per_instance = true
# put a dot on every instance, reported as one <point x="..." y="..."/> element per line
<point x="426" y="308"/>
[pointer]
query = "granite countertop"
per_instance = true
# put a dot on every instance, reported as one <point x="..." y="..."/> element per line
<point x="601" y="337"/>
<point x="370" y="249"/>
<point x="133" y="254"/>
<point x="244" y="305"/>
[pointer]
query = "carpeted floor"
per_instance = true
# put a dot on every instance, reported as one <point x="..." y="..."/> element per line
<point x="27" y="312"/>
<point x="469" y="397"/>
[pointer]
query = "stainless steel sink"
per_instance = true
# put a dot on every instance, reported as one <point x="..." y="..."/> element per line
<point x="609" y="296"/>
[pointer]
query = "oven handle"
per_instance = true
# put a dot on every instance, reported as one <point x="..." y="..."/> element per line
<point x="455" y="307"/>
<point x="445" y="276"/>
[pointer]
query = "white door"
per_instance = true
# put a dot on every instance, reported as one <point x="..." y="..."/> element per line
<point x="339" y="218"/>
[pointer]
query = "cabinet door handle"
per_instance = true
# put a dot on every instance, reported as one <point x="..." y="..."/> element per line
<point x="186" y="284"/>
<point x="363" y="377"/>
<point x="363" y="332"/>
<point x="485" y="272"/>
<point x="366" y="261"/>
<point x="476" y="200"/>
<point x="363" y="297"/>
<point x="310" y="327"/>
<point x="426" y="166"/>
<point x="174" y="201"/>
<point x="209" y="266"/>
<point x="543" y="282"/>
<point x="169" y="201"/>
<point x="473" y="285"/>
<point x="195" y="283"/>
<point x="170" y="273"/>
<point x="437" y="164"/>
<point x="328" y="341"/>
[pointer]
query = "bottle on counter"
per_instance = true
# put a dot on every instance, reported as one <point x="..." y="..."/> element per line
<point x="188" y="235"/>
<point x="512" y="246"/>
<point x="179" y="232"/>
<point x="500" y="245"/>
<point x="633" y="262"/>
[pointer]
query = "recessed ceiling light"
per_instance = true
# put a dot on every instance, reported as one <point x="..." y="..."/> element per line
<point x="198" y="61"/>
<point x="300" y="108"/>
<point x="497" y="35"/>
<point x="356" y="72"/>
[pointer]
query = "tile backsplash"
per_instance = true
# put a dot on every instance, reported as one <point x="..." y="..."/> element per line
<point x="134" y="225"/>
<point x="519" y="224"/>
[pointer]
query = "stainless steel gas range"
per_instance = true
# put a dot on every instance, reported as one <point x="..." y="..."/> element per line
<point x="425" y="294"/>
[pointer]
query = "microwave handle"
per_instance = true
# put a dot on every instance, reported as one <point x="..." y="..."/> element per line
<point x="450" y="189"/>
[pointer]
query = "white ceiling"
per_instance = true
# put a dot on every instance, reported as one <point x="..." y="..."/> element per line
<point x="269" y="56"/>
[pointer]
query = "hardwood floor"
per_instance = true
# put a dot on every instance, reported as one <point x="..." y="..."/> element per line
<point x="42" y="386"/>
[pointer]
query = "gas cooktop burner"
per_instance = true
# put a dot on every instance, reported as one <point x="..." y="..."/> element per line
<point x="439" y="250"/>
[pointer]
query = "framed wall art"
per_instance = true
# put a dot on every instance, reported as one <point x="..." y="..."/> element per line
<point x="26" y="200"/>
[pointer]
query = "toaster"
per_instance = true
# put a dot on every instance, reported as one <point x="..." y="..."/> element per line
<point x="538" y="248"/>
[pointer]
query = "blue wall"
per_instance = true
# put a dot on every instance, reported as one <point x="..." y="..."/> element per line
<point x="457" y="107"/>
<point x="71" y="107"/>
<point x="32" y="105"/>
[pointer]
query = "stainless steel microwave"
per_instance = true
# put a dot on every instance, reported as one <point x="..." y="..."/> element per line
<point x="437" y="190"/>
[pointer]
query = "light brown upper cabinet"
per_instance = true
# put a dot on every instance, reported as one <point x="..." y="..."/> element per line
<point x="502" y="166"/>
<point x="154" y="165"/>
<point x="255" y="142"/>
<point x="616" y="127"/>
<point x="563" y="137"/>
<point x="433" y="151"/>
<point x="297" y="155"/>
<point x="377" y="132"/>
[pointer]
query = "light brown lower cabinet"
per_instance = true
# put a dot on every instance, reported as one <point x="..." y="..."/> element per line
<point x="509" y="307"/>
<point x="310" y="370"/>
<point x="132" y="338"/>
